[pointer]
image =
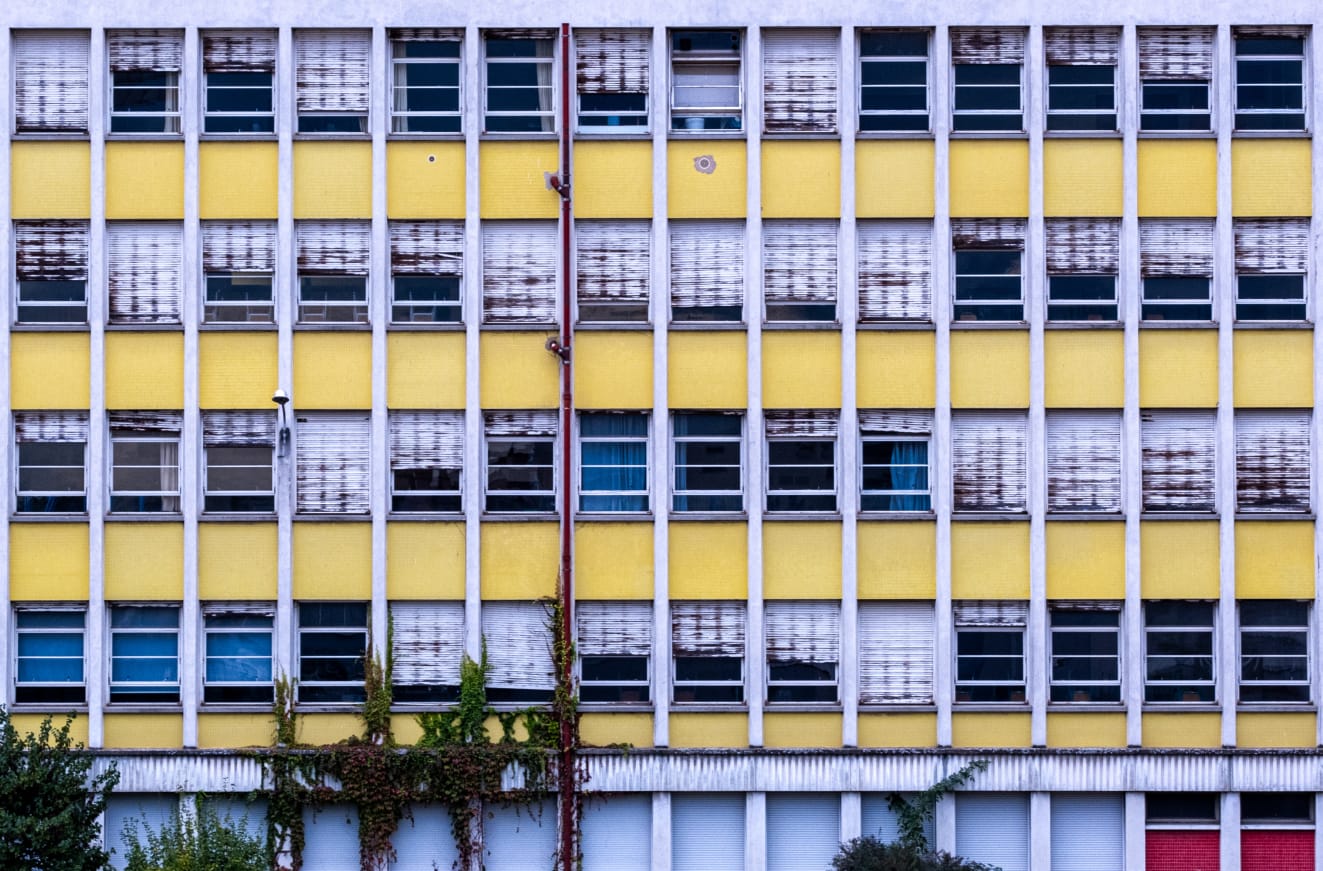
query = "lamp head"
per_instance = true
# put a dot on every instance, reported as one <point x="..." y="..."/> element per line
<point x="280" y="398"/>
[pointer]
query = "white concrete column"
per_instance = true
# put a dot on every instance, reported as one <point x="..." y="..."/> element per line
<point x="755" y="831"/>
<point x="190" y="442"/>
<point x="8" y="287"/>
<point x="852" y="816"/>
<point x="284" y="289"/>
<point x="755" y="483"/>
<point x="847" y="309"/>
<point x="1040" y="831"/>
<point x="944" y="824"/>
<point x="1316" y="226"/>
<point x="1230" y="821"/>
<point x="472" y="292"/>
<point x="96" y="671"/>
<point x="1135" y="837"/>
<point x="379" y="291"/>
<point x="661" y="424"/>
<point x="661" y="831"/>
<point x="943" y="676"/>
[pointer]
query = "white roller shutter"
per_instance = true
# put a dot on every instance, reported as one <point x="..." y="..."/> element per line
<point x="987" y="45"/>
<point x="799" y="262"/>
<point x="1168" y="54"/>
<point x="238" y="246"/>
<point x="707" y="628"/>
<point x="427" y="248"/>
<point x="145" y="264"/>
<point x="1088" y="831"/>
<point x="239" y="812"/>
<point x="518" y="837"/>
<point x="50" y="81"/>
<point x="616" y="832"/>
<point x="159" y="51"/>
<point x="331" y="838"/>
<point x="239" y="51"/>
<point x="425" y="841"/>
<point x="1175" y="247"/>
<point x="707" y="831"/>
<point x="990" y="612"/>
<point x="519" y="263"/>
<point x="989" y="461"/>
<point x="896" y="652"/>
<point x="520" y="423"/>
<point x="895" y="268"/>
<point x="518" y="645"/>
<point x="880" y="821"/>
<point x="426" y="439"/>
<point x="334" y="470"/>
<point x="1071" y="46"/>
<point x="50" y="250"/>
<point x="803" y="830"/>
<point x="874" y="421"/>
<point x="1272" y="461"/>
<point x="803" y="632"/>
<point x="153" y="422"/>
<point x="50" y="426"/>
<point x="1267" y="245"/>
<point x="816" y="423"/>
<point x="614" y="628"/>
<point x="427" y="34"/>
<point x="138" y="813"/>
<point x="707" y="264"/>
<point x="612" y="61"/>
<point x="333" y="247"/>
<point x="992" y="234"/>
<point x="427" y="642"/>
<point x="993" y="828"/>
<point x="332" y="70"/>
<point x="613" y="262"/>
<point x="1083" y="246"/>
<point x="1083" y="461"/>
<point x="1179" y="460"/>
<point x="801" y="69"/>
<point x="239" y="428"/>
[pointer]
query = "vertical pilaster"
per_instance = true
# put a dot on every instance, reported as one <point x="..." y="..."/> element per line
<point x="473" y="445"/>
<point x="1035" y="293"/>
<point x="285" y="283"/>
<point x="6" y="446"/>
<point x="755" y="660"/>
<point x="661" y="424"/>
<point x="941" y="459"/>
<point x="190" y="453"/>
<point x="847" y="307"/>
<point x="379" y="291"/>
<point x="755" y="831"/>
<point x="97" y="654"/>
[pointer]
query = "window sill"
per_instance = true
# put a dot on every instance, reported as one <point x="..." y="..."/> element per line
<point x="140" y="708"/>
<point x="609" y="517"/>
<point x="238" y="137"/>
<point x="333" y="328"/>
<point x="1178" y="325"/>
<point x="1085" y="707"/>
<point x="1270" y="134"/>
<point x="1019" y="326"/>
<point x="50" y="328"/>
<point x="818" y="135"/>
<point x="615" y="708"/>
<point x="894" y="134"/>
<point x="916" y="708"/>
<point x="802" y="708"/>
<point x="686" y="516"/>
<point x="1179" y="515"/>
<point x="1181" y="708"/>
<point x="438" y="327"/>
<point x="502" y="136"/>
<point x="325" y="137"/>
<point x="327" y="707"/>
<point x="990" y="707"/>
<point x="1084" y="325"/>
<point x="605" y="326"/>
<point x="332" y="518"/>
<point x="145" y="328"/>
<point x="865" y="516"/>
<point x="1276" y="708"/>
<point x="238" y="327"/>
<point x="158" y="517"/>
<point x="708" y="708"/>
<point x="801" y="516"/>
<point x="1273" y="325"/>
<point x="236" y="517"/>
<point x="52" y="136"/>
<point x="989" y="134"/>
<point x="795" y="326"/>
<point x="542" y="327"/>
<point x="57" y="710"/>
<point x="1081" y="134"/>
<point x="425" y="517"/>
<point x="696" y="135"/>
<point x="237" y="708"/>
<point x="144" y="137"/>
<point x="707" y="326"/>
<point x="406" y="136"/>
<point x="879" y="326"/>
<point x="49" y="517"/>
<point x="1086" y="516"/>
<point x="1275" y="516"/>
<point x="635" y="134"/>
<point x="989" y="516"/>
<point x="513" y="517"/>
<point x="1177" y="134"/>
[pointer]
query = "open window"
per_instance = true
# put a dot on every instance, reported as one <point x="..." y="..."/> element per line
<point x="144" y="80"/>
<point x="332" y="80"/>
<point x="613" y="67"/>
<point x="239" y="71"/>
<point x="427" y="68"/>
<point x="707" y="91"/>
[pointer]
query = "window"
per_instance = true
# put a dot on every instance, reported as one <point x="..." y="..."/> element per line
<point x="144" y="80"/>
<point x="427" y="646"/>
<point x="1086" y="653"/>
<point x="1272" y="461"/>
<point x="989" y="650"/>
<point x="1083" y="261"/>
<point x="333" y="268"/>
<point x="1175" y="78"/>
<point x="144" y="654"/>
<point x="332" y="80"/>
<point x="613" y="68"/>
<point x="613" y="462"/>
<point x="706" y="88"/>
<point x="800" y="72"/>
<point x="50" y="271"/>
<point x="1081" y="77"/>
<point x="519" y="652"/>
<point x="1181" y="807"/>
<point x="427" y="272"/>
<point x="520" y="461"/>
<point x="333" y="451"/>
<point x="52" y="461"/>
<point x="803" y="649"/>
<point x="893" y="460"/>
<point x="1274" y="651"/>
<point x="615" y="649"/>
<point x="1176" y="269"/>
<point x="50" y="81"/>
<point x="426" y="70"/>
<point x="239" y="69"/>
<point x="144" y="461"/>
<point x="707" y="271"/>
<point x="1178" y="454"/>
<point x="989" y="282"/>
<point x="1083" y="461"/>
<point x="49" y="656"/>
<point x="520" y="96"/>
<point x="987" y="64"/>
<point x="1270" y="78"/>
<point x="333" y="643"/>
<point x="801" y="460"/>
<point x="707" y="651"/>
<point x="426" y="461"/>
<point x="1272" y="260"/>
<point x="238" y="269"/>
<point x="896" y="656"/>
<point x="145" y="264"/>
<point x="895" y="271"/>
<point x="893" y="80"/>
<point x="238" y="644"/>
<point x="709" y="470"/>
<point x="1277" y="809"/>
<point x="520" y="262"/>
<point x="237" y="451"/>
<point x="799" y="271"/>
<point x="988" y="462"/>
<point x="613" y="270"/>
<point x="1178" y="652"/>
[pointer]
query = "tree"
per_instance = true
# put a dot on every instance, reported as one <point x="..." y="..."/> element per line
<point x="49" y="802"/>
<point x="204" y="843"/>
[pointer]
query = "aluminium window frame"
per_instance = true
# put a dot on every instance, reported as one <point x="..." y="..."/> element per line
<point x="861" y="59"/>
<point x="110" y="635"/>
<point x="300" y="630"/>
<point x="551" y="115"/>
<point x="927" y="442"/>
<point x="19" y="495"/>
<point x="398" y="117"/>
<point x="648" y="493"/>
<point x="206" y="484"/>
<point x="1210" y="88"/>
<point x="1118" y="629"/>
<point x="672" y="465"/>
<point x="213" y="609"/>
<point x="1306" y="89"/>
<point x="17" y="633"/>
<point x="1023" y="685"/>
<point x="1049" y="113"/>
<point x="133" y="437"/>
<point x="247" y="306"/>
<point x="835" y="491"/>
<point x="1212" y="629"/>
<point x="1022" y="302"/>
<point x="703" y="58"/>
<point x="556" y="482"/>
<point x="204" y="88"/>
<point x="1306" y="628"/>
<point x="1023" y="110"/>
<point x="169" y="119"/>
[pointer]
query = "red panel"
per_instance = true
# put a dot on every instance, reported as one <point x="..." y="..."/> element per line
<point x="1182" y="851"/>
<point x="1276" y="851"/>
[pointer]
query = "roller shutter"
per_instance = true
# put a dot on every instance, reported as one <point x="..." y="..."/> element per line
<point x="519" y="264"/>
<point x="1179" y="454"/>
<point x="707" y="264"/>
<point x="424" y="840"/>
<point x="239" y="428"/>
<point x="145" y="263"/>
<point x="426" y="440"/>
<point x="50" y="250"/>
<point x="1272" y="245"/>
<point x="238" y="246"/>
<point x="1088" y="832"/>
<point x="1084" y="461"/>
<point x="880" y="821"/>
<point x="332" y="70"/>
<point x="803" y="632"/>
<point x="239" y="51"/>
<point x="1173" y="54"/>
<point x="1175" y="247"/>
<point x="1272" y="461"/>
<point x="518" y="646"/>
<point x="519" y="838"/>
<point x="427" y="643"/>
<point x="993" y="828"/>
<point x="50" y="81"/>
<point x="799" y="263"/>
<point x="333" y="247"/>
<point x="614" y="628"/>
<point x="334" y="472"/>
<point x="801" y="69"/>
<point x="331" y="837"/>
<point x="803" y="830"/>
<point x="1083" y="246"/>
<point x="989" y="461"/>
<point x="1074" y="46"/>
<point x="707" y="831"/>
<point x="987" y="45"/>
<point x="1182" y="851"/>
<point x="617" y="833"/>
<point x="895" y="271"/>
<point x="612" y="61"/>
<point x="613" y="261"/>
<point x="142" y="813"/>
<point x="896" y="652"/>
<point x="159" y="51"/>
<point x="50" y="426"/>
<point x="427" y="248"/>
<point x="707" y="628"/>
<point x="1283" y="850"/>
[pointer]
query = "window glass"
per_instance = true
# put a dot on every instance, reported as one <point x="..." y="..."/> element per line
<point x="333" y="299"/>
<point x="613" y="466"/>
<point x="426" y="299"/>
<point x="239" y="479"/>
<point x="801" y="474"/>
<point x="49" y="658"/>
<point x="144" y="474"/>
<point x="1274" y="651"/>
<point x="425" y="490"/>
<point x="238" y="658"/>
<point x="1086" y="650"/>
<point x="521" y="474"/>
<point x="987" y="97"/>
<point x="1270" y="298"/>
<point x="1270" y="83"/>
<point x="144" y="654"/>
<point x="706" y="93"/>
<point x="708" y="463"/>
<point x="144" y="101"/>
<point x="1081" y="98"/>
<point x="332" y="642"/>
<point x="893" y="80"/>
<point x="520" y="93"/>
<point x="1174" y="106"/>
<point x="238" y="298"/>
<point x="1181" y="807"/>
<point x="239" y="102"/>
<point x="52" y="477"/>
<point x="52" y="302"/>
<point x="1259" y="808"/>
<point x="1177" y="299"/>
<point x="895" y="475"/>
<point x="709" y="679"/>
<point x="1082" y="298"/>
<point x="988" y="285"/>
<point x="1178" y="652"/>
<point x="426" y="95"/>
<point x="613" y="679"/>
<point x="989" y="664"/>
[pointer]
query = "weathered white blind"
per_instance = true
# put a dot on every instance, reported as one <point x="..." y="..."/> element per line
<point x="1083" y="461"/>
<point x="519" y="260"/>
<point x="612" y="61"/>
<point x="520" y="423"/>
<point x="895" y="266"/>
<point x="707" y="831"/>
<point x="239" y="428"/>
<point x="617" y="833"/>
<point x="1272" y="245"/>
<point x="1176" y="53"/>
<point x="707" y="263"/>
<point x="333" y="247"/>
<point x="145" y="265"/>
<point x="426" y="439"/>
<point x="50" y="81"/>
<point x="896" y="652"/>
<point x="1272" y="31"/>
<point x="613" y="261"/>
<point x="1175" y="247"/>
<point x="1068" y="46"/>
<point x="1179" y="460"/>
<point x="518" y="645"/>
<point x="155" y="422"/>
<point x="815" y="423"/>
<point x="707" y="628"/>
<point x="239" y="51"/>
<point x="238" y="246"/>
<point x="332" y="70"/>
<point x="614" y="628"/>
<point x="50" y="250"/>
<point x="990" y="612"/>
<point x="427" y="641"/>
<point x="427" y="248"/>
<point x="988" y="461"/>
<point x="159" y="51"/>
<point x="427" y="34"/>
<point x="801" y="69"/>
<point x="1083" y="246"/>
<point x="799" y="262"/>
<point x="1272" y="460"/>
<point x="518" y="33"/>
<point x="993" y="828"/>
<point x="50" y="426"/>
<point x="987" y="45"/>
<point x="334" y="463"/>
<point x="873" y="421"/>
<point x="1088" y="831"/>
<point x="803" y="830"/>
<point x="803" y="632"/>
<point x="998" y="234"/>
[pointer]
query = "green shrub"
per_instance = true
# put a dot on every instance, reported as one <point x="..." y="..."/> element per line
<point x="205" y="843"/>
<point x="870" y="854"/>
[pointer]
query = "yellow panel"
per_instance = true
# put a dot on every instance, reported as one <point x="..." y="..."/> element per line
<point x="238" y="180"/>
<point x="30" y="724"/>
<point x="990" y="178"/>
<point x="237" y="561"/>
<point x="237" y="370"/>
<point x="1082" y="177"/>
<point x="332" y="179"/>
<point x="989" y="730"/>
<point x="49" y="370"/>
<point x="145" y="370"/>
<point x="801" y="178"/>
<point x="897" y="560"/>
<point x="144" y="561"/>
<point x="405" y="729"/>
<point x="990" y="369"/>
<point x="1177" y="178"/>
<point x="1085" y="560"/>
<point x="425" y="179"/>
<point x="613" y="561"/>
<point x="709" y="730"/>
<point x="605" y="730"/>
<point x="1178" y="368"/>
<point x="319" y="729"/>
<point x="802" y="560"/>
<point x="1274" y="559"/>
<point x="424" y="560"/>
<point x="425" y="370"/>
<point x="802" y="730"/>
<point x="1182" y="730"/>
<point x="709" y="560"/>
<point x="520" y="560"/>
<point x="1273" y="368"/>
<point x="332" y="561"/>
<point x="512" y="179"/>
<point x="235" y="730"/>
<point x="1271" y="177"/>
<point x="50" y="180"/>
<point x="801" y="369"/>
<point x="706" y="179"/>
<point x="613" y="179"/>
<point x="897" y="730"/>
<point x="895" y="369"/>
<point x="1085" y="730"/>
<point x="1276" y="730"/>
<point x="707" y="370"/>
<point x="143" y="730"/>
<point x="517" y="371"/>
<point x="894" y="179"/>
<point x="1194" y="575"/>
<point x="990" y="560"/>
<point x="613" y="369"/>
<point x="48" y="562"/>
<point x="332" y="370"/>
<point x="144" y="180"/>
<point x="1084" y="368"/>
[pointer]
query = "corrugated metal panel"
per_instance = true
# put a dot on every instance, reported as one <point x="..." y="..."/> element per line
<point x="993" y="829"/>
<point x="612" y="61"/>
<point x="614" y="628"/>
<point x="426" y="439"/>
<point x="989" y="461"/>
<point x="801" y="69"/>
<point x="332" y="70"/>
<point x="707" y="263"/>
<point x="159" y="51"/>
<point x="987" y="45"/>
<point x="1176" y="53"/>
<point x="613" y="261"/>
<point x="803" y="632"/>
<point x="996" y="234"/>
<point x="334" y="470"/>
<point x="239" y="428"/>
<point x="427" y="642"/>
<point x="333" y="247"/>
<point x="1083" y="461"/>
<point x="707" y="628"/>
<point x="707" y="831"/>
<point x="50" y="250"/>
<point x="616" y="833"/>
<point x="1082" y="45"/>
<point x="427" y="34"/>
<point x="145" y="271"/>
<point x="50" y="426"/>
<point x="803" y="831"/>
<point x="519" y="837"/>
<point x="799" y="261"/>
<point x="1179" y="454"/>
<point x="1083" y="246"/>
<point x="519" y="263"/>
<point x="1272" y="461"/>
<point x="239" y="51"/>
<point x="990" y="612"/>
<point x="818" y="423"/>
<point x="238" y="246"/>
<point x="895" y="267"/>
<point x="424" y="840"/>
<point x="1272" y="245"/>
<point x="1175" y="247"/>
<point x="896" y="652"/>
<point x="50" y="81"/>
<point x="1088" y="832"/>
<point x="520" y="423"/>
<point x="167" y="422"/>
<point x="518" y="645"/>
<point x="879" y="422"/>
<point x="427" y="248"/>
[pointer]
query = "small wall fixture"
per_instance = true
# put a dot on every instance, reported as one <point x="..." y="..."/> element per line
<point x="281" y="399"/>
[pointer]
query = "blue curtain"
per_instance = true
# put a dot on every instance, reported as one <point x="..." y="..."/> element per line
<point x="613" y="474"/>
<point x="909" y="471"/>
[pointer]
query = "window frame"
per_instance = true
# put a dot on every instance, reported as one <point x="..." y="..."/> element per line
<point x="121" y="437"/>
<point x="646" y="494"/>
<point x="975" y="114"/>
<point x="1188" y="626"/>
<point x="926" y="114"/>
<point x="487" y="490"/>
<point x="20" y="495"/>
<point x="798" y="493"/>
<point x="349" y="696"/>
<point x="20" y="632"/>
<point x="400" y="117"/>
<point x="550" y="118"/>
<point x="1019" y="304"/>
<point x="171" y="120"/>
<point x="206" y="632"/>
<point x="1305" y="87"/>
<point x="674" y="466"/>
<point x="712" y="58"/>
<point x="1305" y="628"/>
<point x="210" y="307"/>
<point x="617" y="129"/>
<point x="697" y="684"/>
<point x="205" y="87"/>
<point x="1012" y="687"/>
<point x="1049" y="113"/>
<point x="113" y="632"/>
<point x="207" y="491"/>
<point x="864" y="492"/>
<point x="1115" y="629"/>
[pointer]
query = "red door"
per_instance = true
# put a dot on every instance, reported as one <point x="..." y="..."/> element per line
<point x="1182" y="851"/>
<point x="1276" y="851"/>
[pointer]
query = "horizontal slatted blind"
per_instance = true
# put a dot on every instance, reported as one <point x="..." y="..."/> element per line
<point x="987" y="45"/>
<point x="707" y="831"/>
<point x="1083" y="246"/>
<point x="1088" y="832"/>
<point x="614" y="628"/>
<point x="238" y="246"/>
<point x="1272" y="245"/>
<point x="50" y="250"/>
<point x="427" y="34"/>
<point x="989" y="461"/>
<point x="154" y="422"/>
<point x="612" y="61"/>
<point x="239" y="51"/>
<point x="999" y="234"/>
<point x="519" y="423"/>
<point x="159" y="51"/>
<point x="50" y="426"/>
<point x="993" y="828"/>
<point x="707" y="628"/>
<point x="801" y="69"/>
<point x="1272" y="460"/>
<point x="426" y="439"/>
<point x="613" y="261"/>
<point x="332" y="70"/>
<point x="707" y="263"/>
<point x="519" y="263"/>
<point x="145" y="265"/>
<point x="427" y="248"/>
<point x="1170" y="54"/>
<point x="239" y="428"/>
<point x="816" y="423"/>
<point x="896" y="652"/>
<point x="333" y="247"/>
<point x="803" y="632"/>
<point x="427" y="642"/>
<point x="1082" y="45"/>
<point x="334" y="472"/>
<point x="50" y="81"/>
<point x="1175" y="247"/>
<point x="874" y="421"/>
<point x="895" y="270"/>
<point x="518" y="645"/>
<point x="1272" y="31"/>
<point x="1083" y="461"/>
<point x="803" y="830"/>
<point x="990" y="612"/>
<point x="799" y="261"/>
<point x="617" y="834"/>
<point x="1179" y="455"/>
<point x="518" y="33"/>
